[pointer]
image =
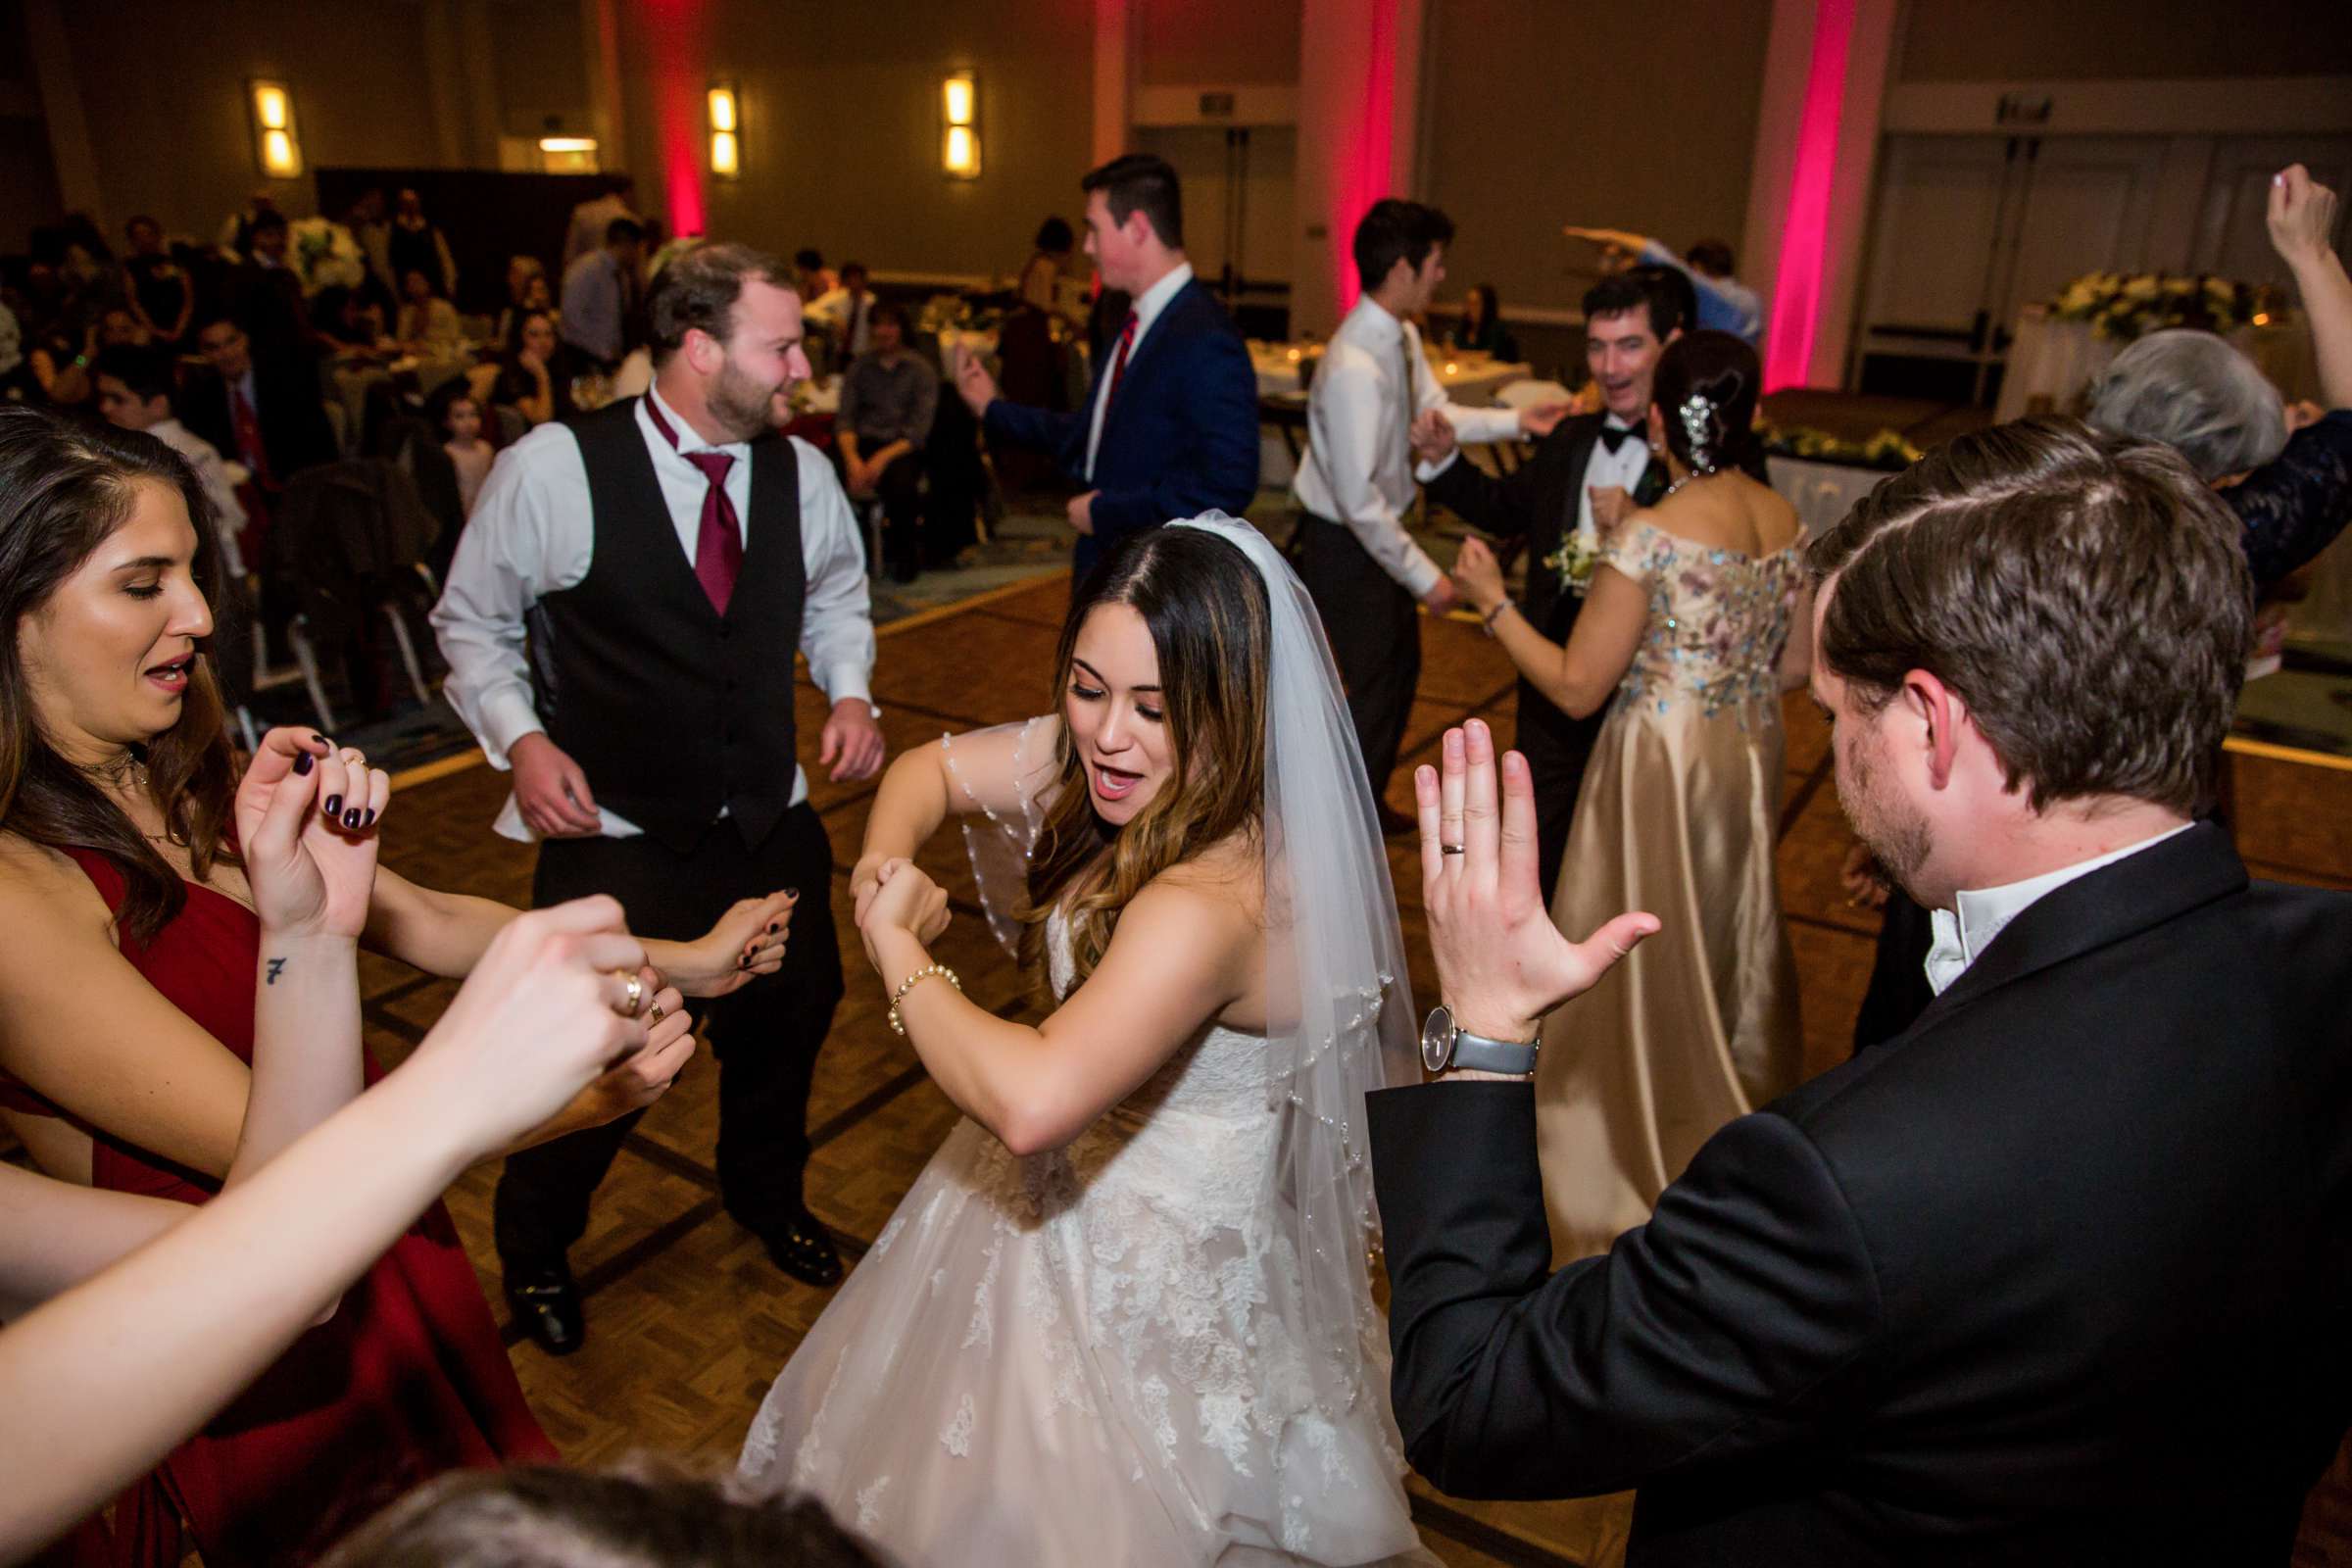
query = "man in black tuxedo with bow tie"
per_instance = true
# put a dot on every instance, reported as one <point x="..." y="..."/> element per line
<point x="2061" y="1273"/>
<point x="1582" y="478"/>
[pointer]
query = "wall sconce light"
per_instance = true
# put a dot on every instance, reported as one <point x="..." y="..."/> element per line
<point x="568" y="154"/>
<point x="727" y="134"/>
<point x="959" y="117"/>
<point x="277" y="144"/>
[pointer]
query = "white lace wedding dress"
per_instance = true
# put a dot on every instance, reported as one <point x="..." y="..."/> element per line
<point x="1069" y="1361"/>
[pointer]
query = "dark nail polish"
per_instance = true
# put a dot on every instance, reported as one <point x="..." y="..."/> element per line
<point x="369" y="818"/>
<point x="304" y="763"/>
<point x="792" y="892"/>
<point x="351" y="818"/>
<point x="327" y="741"/>
<point x="744" y="963"/>
<point x="773" y="928"/>
<point x="334" y="806"/>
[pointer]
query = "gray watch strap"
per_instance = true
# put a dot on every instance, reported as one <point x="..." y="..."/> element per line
<point x="1480" y="1055"/>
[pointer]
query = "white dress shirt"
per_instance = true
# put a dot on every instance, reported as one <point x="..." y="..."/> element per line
<point x="1963" y="932"/>
<point x="1358" y="468"/>
<point x="1146" y="308"/>
<point x="229" y="513"/>
<point x="853" y="317"/>
<point x="532" y="534"/>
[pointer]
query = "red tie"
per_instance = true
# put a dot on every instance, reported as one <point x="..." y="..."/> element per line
<point x="1119" y="365"/>
<point x="249" y="436"/>
<point x="718" y="541"/>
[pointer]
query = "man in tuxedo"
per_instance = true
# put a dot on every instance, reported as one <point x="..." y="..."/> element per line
<point x="1169" y="428"/>
<point x="2061" y="1273"/>
<point x="1583" y="477"/>
<point x="620" y="623"/>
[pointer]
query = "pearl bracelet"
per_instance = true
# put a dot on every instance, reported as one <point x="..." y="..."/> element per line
<point x="897" y="1027"/>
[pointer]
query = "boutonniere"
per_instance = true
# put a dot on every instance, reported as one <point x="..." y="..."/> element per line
<point x="1573" y="562"/>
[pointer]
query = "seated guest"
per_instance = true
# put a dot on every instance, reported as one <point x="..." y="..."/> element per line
<point x="534" y="377"/>
<point x="848" y="312"/>
<point x="428" y="323"/>
<point x="162" y="295"/>
<point x="601" y="294"/>
<point x="2061" y="1274"/>
<point x="1052" y="280"/>
<point x="266" y="295"/>
<point x="132" y="1017"/>
<point x="812" y="279"/>
<point x="1480" y="330"/>
<point x="457" y="416"/>
<point x="135" y="389"/>
<point x="522" y="273"/>
<point x="263" y="415"/>
<point x="349" y="325"/>
<point x="888" y="398"/>
<point x="414" y="244"/>
<point x="1178" y="436"/>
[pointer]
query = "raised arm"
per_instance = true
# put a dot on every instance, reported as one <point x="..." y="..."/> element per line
<point x="1183" y="952"/>
<point x="995" y="772"/>
<point x="2302" y="222"/>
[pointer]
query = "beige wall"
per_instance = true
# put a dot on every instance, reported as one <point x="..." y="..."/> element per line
<point x="1540" y="114"/>
<point x="842" y="128"/>
<point x="2095" y="41"/>
<point x="168" y="122"/>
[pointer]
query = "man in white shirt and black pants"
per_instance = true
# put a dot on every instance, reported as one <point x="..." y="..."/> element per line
<point x="1355" y="480"/>
<point x="620" y="623"/>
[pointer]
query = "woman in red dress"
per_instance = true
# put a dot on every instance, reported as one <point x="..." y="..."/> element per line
<point x="129" y="981"/>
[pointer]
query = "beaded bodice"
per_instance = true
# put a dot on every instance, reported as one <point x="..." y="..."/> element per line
<point x="1718" y="620"/>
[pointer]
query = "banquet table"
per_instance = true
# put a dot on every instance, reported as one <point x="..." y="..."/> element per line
<point x="1470" y="379"/>
<point x="2050" y="362"/>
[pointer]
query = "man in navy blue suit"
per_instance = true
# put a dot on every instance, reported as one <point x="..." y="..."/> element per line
<point x="1169" y="428"/>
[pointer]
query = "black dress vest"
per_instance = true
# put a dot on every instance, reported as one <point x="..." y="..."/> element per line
<point x="673" y="710"/>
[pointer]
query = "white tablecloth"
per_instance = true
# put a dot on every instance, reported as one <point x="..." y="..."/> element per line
<point x="1472" y="381"/>
<point x="2050" y="362"/>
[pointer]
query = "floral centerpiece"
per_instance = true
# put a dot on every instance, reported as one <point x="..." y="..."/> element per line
<point x="1887" y="450"/>
<point x="953" y="312"/>
<point x="2123" y="306"/>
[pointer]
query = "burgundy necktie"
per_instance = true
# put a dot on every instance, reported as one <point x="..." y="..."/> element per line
<point x="718" y="541"/>
<point x="1119" y="365"/>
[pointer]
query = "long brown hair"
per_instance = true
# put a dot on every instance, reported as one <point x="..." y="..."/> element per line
<point x="1204" y="606"/>
<point x="64" y="487"/>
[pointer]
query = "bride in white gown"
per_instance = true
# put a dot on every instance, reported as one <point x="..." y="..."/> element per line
<point x="1123" y="1317"/>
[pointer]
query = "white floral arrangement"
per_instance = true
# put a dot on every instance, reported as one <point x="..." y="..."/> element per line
<point x="2123" y="306"/>
<point x="324" y="254"/>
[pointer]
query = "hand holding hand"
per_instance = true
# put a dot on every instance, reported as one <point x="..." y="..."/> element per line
<point x="1542" y="418"/>
<point x="904" y="899"/>
<point x="2302" y="215"/>
<point x="552" y="791"/>
<point x="851" y="744"/>
<point x="747" y="943"/>
<point x="1479" y="575"/>
<point x="311" y="871"/>
<point x="1433" y="437"/>
<point x="1082" y="512"/>
<point x="1611" y="506"/>
<point x="1501" y="963"/>
<point x="544" y="1018"/>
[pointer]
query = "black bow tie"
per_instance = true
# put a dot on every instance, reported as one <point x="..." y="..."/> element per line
<point x="1613" y="436"/>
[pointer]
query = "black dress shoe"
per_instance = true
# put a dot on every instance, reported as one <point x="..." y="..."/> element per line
<point x="801" y="1248"/>
<point x="1394" y="822"/>
<point x="547" y="1303"/>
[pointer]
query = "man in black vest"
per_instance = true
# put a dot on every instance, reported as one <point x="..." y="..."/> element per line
<point x="1581" y="480"/>
<point x="620" y="623"/>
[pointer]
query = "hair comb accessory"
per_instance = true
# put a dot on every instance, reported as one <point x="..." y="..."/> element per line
<point x="1698" y="422"/>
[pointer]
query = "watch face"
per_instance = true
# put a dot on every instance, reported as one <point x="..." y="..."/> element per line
<point x="1436" y="1039"/>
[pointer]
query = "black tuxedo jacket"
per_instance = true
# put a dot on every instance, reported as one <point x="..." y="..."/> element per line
<point x="2061" y="1274"/>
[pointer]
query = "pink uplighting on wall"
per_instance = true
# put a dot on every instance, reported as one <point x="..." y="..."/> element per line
<point x="1364" y="163"/>
<point x="1805" y="238"/>
<point x="678" y="73"/>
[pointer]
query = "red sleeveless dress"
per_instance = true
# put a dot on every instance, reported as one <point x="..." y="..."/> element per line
<point x="407" y="1380"/>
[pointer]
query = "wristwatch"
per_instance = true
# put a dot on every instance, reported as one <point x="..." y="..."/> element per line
<point x="1443" y="1045"/>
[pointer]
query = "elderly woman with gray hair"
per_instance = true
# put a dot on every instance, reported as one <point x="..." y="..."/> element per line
<point x="2203" y="398"/>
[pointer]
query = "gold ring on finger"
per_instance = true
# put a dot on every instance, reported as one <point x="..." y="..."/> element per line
<point x="636" y="997"/>
<point x="658" y="1015"/>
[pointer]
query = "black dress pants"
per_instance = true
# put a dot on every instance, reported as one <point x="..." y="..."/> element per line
<point x="1374" y="628"/>
<point x="765" y="1036"/>
<point x="899" y="487"/>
